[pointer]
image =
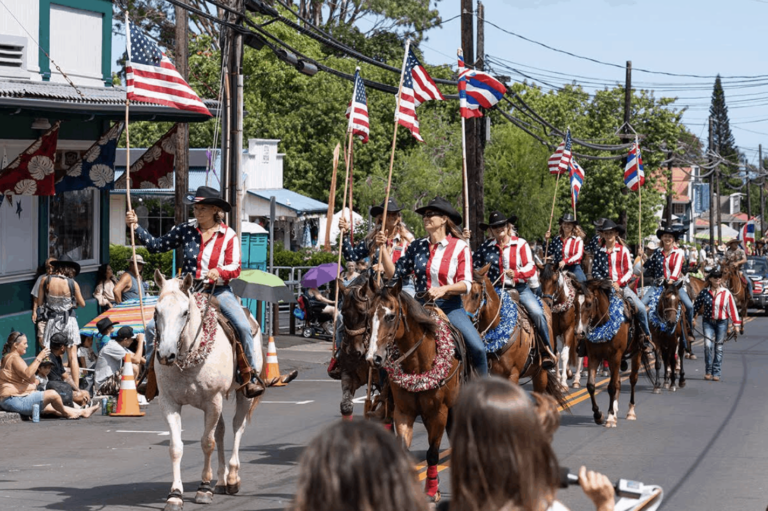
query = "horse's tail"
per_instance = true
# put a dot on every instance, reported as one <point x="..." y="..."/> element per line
<point x="553" y="389"/>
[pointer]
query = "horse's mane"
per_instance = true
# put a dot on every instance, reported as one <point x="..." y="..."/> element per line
<point x="416" y="311"/>
<point x="547" y="272"/>
<point x="603" y="285"/>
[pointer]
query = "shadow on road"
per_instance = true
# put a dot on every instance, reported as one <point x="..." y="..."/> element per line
<point x="275" y="454"/>
<point x="145" y="495"/>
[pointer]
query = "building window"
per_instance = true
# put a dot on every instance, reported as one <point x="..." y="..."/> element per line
<point x="73" y="226"/>
<point x="156" y="214"/>
<point x="18" y="235"/>
<point x="678" y="209"/>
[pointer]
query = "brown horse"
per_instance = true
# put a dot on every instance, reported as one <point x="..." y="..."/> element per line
<point x="354" y="369"/>
<point x="667" y="333"/>
<point x="558" y="291"/>
<point x="593" y="300"/>
<point x="401" y="327"/>
<point x="516" y="359"/>
<point x="732" y="280"/>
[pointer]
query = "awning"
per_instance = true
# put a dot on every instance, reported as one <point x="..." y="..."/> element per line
<point x="294" y="201"/>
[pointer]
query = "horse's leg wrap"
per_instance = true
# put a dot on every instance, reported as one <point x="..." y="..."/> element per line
<point x="432" y="484"/>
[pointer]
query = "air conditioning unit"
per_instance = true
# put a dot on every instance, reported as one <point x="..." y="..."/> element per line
<point x="13" y="57"/>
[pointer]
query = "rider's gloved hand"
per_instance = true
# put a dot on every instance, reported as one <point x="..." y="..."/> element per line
<point x="598" y="488"/>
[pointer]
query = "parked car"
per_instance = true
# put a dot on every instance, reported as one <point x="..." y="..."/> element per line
<point x="756" y="269"/>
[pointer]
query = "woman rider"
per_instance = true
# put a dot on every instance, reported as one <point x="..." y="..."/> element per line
<point x="614" y="262"/>
<point x="398" y="239"/>
<point x="512" y="255"/>
<point x="567" y="249"/>
<point x="667" y="262"/>
<point x="442" y="267"/>
<point x="211" y="254"/>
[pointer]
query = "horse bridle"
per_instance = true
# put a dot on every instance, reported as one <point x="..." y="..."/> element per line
<point x="365" y="331"/>
<point x="190" y="293"/>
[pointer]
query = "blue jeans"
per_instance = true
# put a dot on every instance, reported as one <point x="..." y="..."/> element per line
<point x="531" y="304"/>
<point x="714" y="337"/>
<point x="454" y="309"/>
<point x="576" y="270"/>
<point x="688" y="308"/>
<point x="642" y="314"/>
<point x="23" y="405"/>
<point x="232" y="310"/>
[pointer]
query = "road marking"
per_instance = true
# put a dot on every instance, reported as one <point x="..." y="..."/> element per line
<point x="327" y="380"/>
<point x="288" y="402"/>
<point x="46" y="465"/>
<point x="158" y="433"/>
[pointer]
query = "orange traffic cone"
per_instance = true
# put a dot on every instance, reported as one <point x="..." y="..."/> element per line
<point x="272" y="377"/>
<point x="128" y="399"/>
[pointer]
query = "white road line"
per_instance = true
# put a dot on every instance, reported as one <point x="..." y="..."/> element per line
<point x="288" y="402"/>
<point x="158" y="433"/>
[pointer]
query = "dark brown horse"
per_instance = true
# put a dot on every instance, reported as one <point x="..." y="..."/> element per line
<point x="401" y="327"/>
<point x="513" y="361"/>
<point x="667" y="332"/>
<point x="354" y="369"/>
<point x="558" y="291"/>
<point x="739" y="290"/>
<point x="593" y="300"/>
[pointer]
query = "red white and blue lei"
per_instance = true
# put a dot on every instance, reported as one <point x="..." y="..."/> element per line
<point x="496" y="338"/>
<point x="608" y="330"/>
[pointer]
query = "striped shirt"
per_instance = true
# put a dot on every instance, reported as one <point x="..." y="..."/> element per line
<point x="717" y="305"/>
<point x="571" y="251"/>
<point x="435" y="265"/>
<point x="515" y="254"/>
<point x="220" y="252"/>
<point x="669" y="266"/>
<point x="615" y="266"/>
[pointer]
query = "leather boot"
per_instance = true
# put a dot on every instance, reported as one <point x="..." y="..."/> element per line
<point x="253" y="389"/>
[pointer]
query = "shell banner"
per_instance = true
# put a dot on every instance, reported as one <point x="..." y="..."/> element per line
<point x="96" y="169"/>
<point x="31" y="173"/>
<point x="155" y="167"/>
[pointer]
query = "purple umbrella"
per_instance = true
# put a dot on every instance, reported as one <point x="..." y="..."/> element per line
<point x="320" y="275"/>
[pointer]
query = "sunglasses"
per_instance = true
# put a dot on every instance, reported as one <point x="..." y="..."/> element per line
<point x="430" y="214"/>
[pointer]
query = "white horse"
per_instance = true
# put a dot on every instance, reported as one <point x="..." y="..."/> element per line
<point x="204" y="386"/>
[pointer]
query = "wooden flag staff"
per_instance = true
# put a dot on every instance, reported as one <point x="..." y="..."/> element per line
<point x="464" y="179"/>
<point x="552" y="216"/>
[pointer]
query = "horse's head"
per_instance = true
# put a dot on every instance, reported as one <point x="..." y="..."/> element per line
<point x="478" y="294"/>
<point x="669" y="302"/>
<point x="591" y="303"/>
<point x="172" y="313"/>
<point x="551" y="279"/>
<point x="354" y="310"/>
<point x="385" y="319"/>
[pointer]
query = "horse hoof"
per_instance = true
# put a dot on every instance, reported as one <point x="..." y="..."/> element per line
<point x="598" y="418"/>
<point x="666" y="386"/>
<point x="219" y="490"/>
<point x="232" y="489"/>
<point x="436" y="497"/>
<point x="692" y="356"/>
<point x="673" y="388"/>
<point x="682" y="383"/>
<point x="656" y="390"/>
<point x="174" y="505"/>
<point x="576" y="385"/>
<point x="203" y="497"/>
<point x="631" y="417"/>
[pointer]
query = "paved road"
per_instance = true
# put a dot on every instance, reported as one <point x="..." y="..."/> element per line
<point x="706" y="444"/>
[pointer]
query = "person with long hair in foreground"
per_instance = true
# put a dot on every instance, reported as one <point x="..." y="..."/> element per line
<point x="357" y="466"/>
<point x="501" y="457"/>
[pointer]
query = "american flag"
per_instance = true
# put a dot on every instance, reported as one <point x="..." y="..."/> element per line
<point x="357" y="110"/>
<point x="418" y="87"/>
<point x="151" y="77"/>
<point x="477" y="89"/>
<point x="634" y="176"/>
<point x="560" y="161"/>
<point x="577" y="179"/>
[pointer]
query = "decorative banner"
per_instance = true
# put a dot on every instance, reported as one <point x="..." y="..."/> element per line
<point x="31" y="173"/>
<point x="477" y="89"/>
<point x="634" y="176"/>
<point x="577" y="179"/>
<point x="155" y="167"/>
<point x="96" y="169"/>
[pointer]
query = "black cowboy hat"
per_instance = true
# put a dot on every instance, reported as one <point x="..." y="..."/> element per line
<point x="444" y="207"/>
<point x="104" y="323"/>
<point x="392" y="207"/>
<point x="599" y="222"/>
<point x="608" y="225"/>
<point x="674" y="230"/>
<point x="568" y="218"/>
<point x="207" y="195"/>
<point x="716" y="273"/>
<point x="496" y="219"/>
<point x="65" y="262"/>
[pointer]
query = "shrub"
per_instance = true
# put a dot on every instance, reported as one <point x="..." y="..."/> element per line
<point x="119" y="256"/>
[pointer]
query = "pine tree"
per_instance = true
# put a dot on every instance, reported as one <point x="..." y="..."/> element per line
<point x="725" y="143"/>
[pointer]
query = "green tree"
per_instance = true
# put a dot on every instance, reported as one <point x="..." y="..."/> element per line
<point x="725" y="143"/>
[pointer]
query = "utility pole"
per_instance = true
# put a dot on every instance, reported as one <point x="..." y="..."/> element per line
<point x="749" y="196"/>
<point x="627" y="116"/>
<point x="468" y="47"/>
<point x="477" y="178"/>
<point x="181" y="176"/>
<point x="711" y="196"/>
<point x="670" y="190"/>
<point x="719" y="204"/>
<point x="762" y="191"/>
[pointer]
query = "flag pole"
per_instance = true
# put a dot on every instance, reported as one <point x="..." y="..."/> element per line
<point x="128" y="178"/>
<point x="465" y="184"/>
<point x="331" y="200"/>
<point x="351" y="182"/>
<point x="551" y="216"/>
<point x="640" y="248"/>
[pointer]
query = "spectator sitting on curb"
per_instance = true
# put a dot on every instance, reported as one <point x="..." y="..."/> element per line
<point x="87" y="358"/>
<point x="108" y="375"/>
<point x="17" y="384"/>
<point x="105" y="326"/>
<point x="59" y="379"/>
<point x="43" y="370"/>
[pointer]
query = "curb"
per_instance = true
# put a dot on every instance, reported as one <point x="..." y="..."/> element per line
<point x="9" y="418"/>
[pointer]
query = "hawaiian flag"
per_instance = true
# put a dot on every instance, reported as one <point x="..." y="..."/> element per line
<point x="559" y="163"/>
<point x="477" y="89"/>
<point x="96" y="168"/>
<point x="152" y="78"/>
<point x="634" y="176"/>
<point x="747" y="233"/>
<point x="155" y="167"/>
<point x="31" y="172"/>
<point x="418" y="87"/>
<point x="357" y="111"/>
<point x="577" y="180"/>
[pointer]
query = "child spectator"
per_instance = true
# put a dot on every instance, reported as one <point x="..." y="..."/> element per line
<point x="43" y="370"/>
<point x="107" y="379"/>
<point x="105" y="326"/>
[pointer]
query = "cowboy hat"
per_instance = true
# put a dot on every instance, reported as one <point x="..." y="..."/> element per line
<point x="392" y="207"/>
<point x="139" y="259"/>
<point x="716" y="273"/>
<point x="673" y="230"/>
<point x="207" y="195"/>
<point x="105" y="323"/>
<point x="66" y="263"/>
<point x="497" y="219"/>
<point x="734" y="240"/>
<point x="610" y="225"/>
<point x="567" y="218"/>
<point x="721" y="248"/>
<point x="444" y="207"/>
<point x="599" y="222"/>
<point x="651" y="245"/>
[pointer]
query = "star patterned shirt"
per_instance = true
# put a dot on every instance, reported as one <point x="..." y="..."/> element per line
<point x="397" y="247"/>
<point x="594" y="244"/>
<point x="715" y="305"/>
<point x="571" y="250"/>
<point x="220" y="252"/>
<point x="615" y="266"/>
<point x="434" y="265"/>
<point x="515" y="254"/>
<point x="669" y="266"/>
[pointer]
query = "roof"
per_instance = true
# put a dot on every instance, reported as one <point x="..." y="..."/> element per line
<point x="292" y="200"/>
<point x="196" y="180"/>
<point x="55" y="99"/>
